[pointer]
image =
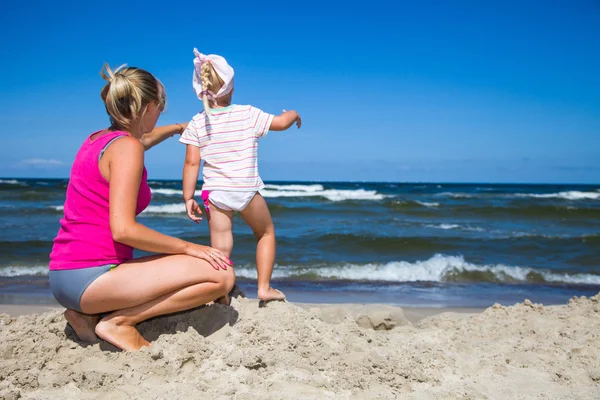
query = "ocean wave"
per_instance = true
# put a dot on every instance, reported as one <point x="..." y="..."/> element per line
<point x="167" y="192"/>
<point x="427" y="204"/>
<point x="455" y="226"/>
<point x="455" y="195"/>
<point x="566" y="195"/>
<point x="316" y="190"/>
<point x="12" y="182"/>
<point x="530" y="211"/>
<point x="300" y="188"/>
<point x="439" y="268"/>
<point x="329" y="194"/>
<point x="417" y="206"/>
<point x="11" y="271"/>
<point x="176" y="208"/>
<point x="570" y="195"/>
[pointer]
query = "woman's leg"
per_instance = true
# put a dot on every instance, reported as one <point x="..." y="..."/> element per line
<point x="84" y="325"/>
<point x="258" y="217"/>
<point x="147" y="287"/>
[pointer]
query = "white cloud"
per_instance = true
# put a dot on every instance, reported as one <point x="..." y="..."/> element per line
<point x="40" y="162"/>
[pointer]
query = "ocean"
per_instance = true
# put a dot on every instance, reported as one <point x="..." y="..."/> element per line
<point x="407" y="244"/>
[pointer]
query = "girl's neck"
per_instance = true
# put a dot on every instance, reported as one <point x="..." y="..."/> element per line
<point x="222" y="104"/>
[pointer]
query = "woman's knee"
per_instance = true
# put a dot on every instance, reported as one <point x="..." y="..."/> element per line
<point x="228" y="280"/>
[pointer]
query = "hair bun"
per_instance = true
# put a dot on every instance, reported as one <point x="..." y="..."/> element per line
<point x="109" y="75"/>
<point x="128" y="91"/>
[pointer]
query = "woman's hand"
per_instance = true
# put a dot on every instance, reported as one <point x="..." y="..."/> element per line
<point x="215" y="257"/>
<point x="193" y="210"/>
<point x="181" y="127"/>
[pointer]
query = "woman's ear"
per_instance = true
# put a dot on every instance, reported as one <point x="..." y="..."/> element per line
<point x="151" y="107"/>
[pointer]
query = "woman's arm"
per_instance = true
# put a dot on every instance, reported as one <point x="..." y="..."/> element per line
<point x="161" y="133"/>
<point x="126" y="165"/>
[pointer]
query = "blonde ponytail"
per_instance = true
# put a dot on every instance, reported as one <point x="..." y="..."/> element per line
<point x="211" y="82"/>
<point x="128" y="91"/>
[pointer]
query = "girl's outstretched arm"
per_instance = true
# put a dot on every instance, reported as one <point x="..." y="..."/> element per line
<point x="285" y="120"/>
<point x="161" y="133"/>
<point x="191" y="168"/>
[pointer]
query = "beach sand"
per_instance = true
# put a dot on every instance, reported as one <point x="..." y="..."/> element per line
<point x="289" y="351"/>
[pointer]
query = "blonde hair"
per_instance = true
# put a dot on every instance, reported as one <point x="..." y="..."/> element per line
<point x="211" y="81"/>
<point x="128" y="91"/>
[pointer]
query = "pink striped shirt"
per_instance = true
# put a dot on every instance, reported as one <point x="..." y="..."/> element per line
<point x="228" y="142"/>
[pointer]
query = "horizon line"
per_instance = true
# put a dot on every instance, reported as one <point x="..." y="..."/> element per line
<point x="360" y="181"/>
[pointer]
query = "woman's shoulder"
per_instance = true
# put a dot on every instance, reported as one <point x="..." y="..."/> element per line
<point x="127" y="144"/>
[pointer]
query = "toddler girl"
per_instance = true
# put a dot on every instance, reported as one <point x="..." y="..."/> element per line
<point x="225" y="136"/>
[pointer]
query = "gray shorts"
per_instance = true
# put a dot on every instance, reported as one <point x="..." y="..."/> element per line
<point x="68" y="285"/>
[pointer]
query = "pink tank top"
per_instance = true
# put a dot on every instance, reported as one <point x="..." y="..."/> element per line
<point x="84" y="239"/>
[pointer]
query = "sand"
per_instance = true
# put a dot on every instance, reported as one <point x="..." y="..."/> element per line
<point x="286" y="351"/>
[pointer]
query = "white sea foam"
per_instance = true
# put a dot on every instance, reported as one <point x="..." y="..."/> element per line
<point x="428" y="204"/>
<point x="455" y="195"/>
<point x="444" y="226"/>
<point x="300" y="188"/>
<point x="176" y="208"/>
<point x="316" y="190"/>
<point x="436" y="269"/>
<point x="329" y="194"/>
<point x="570" y="195"/>
<point x="23" y="271"/>
<point x="11" y="182"/>
<point x="456" y="226"/>
<point x="167" y="192"/>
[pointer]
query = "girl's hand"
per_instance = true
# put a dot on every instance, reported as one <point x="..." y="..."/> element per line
<point x="215" y="257"/>
<point x="297" y="120"/>
<point x="192" y="209"/>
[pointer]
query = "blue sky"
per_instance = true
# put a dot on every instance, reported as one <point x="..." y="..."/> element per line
<point x="485" y="91"/>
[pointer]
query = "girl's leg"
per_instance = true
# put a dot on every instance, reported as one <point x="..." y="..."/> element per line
<point x="147" y="287"/>
<point x="221" y="225"/>
<point x="258" y="217"/>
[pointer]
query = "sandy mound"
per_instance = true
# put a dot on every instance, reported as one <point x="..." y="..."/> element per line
<point x="288" y="352"/>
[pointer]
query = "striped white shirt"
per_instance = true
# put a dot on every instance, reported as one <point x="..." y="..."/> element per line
<point x="228" y="143"/>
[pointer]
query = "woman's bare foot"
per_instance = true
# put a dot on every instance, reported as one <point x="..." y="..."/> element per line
<point x="83" y="325"/>
<point x="270" y="294"/>
<point x="116" y="331"/>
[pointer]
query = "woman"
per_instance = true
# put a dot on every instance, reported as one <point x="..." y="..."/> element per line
<point x="92" y="269"/>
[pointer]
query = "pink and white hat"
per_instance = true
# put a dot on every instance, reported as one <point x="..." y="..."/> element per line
<point x="224" y="70"/>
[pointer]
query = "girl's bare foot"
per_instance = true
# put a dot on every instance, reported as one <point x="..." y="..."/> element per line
<point x="270" y="294"/>
<point x="116" y="331"/>
<point x="83" y="325"/>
